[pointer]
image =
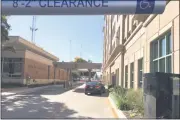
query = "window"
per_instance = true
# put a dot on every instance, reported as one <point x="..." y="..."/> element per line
<point x="12" y="67"/>
<point x="155" y="50"/>
<point x="6" y="67"/>
<point x="169" y="44"/>
<point x="140" y="72"/>
<point x="117" y="76"/>
<point x="161" y="50"/>
<point x="126" y="76"/>
<point x="132" y="75"/>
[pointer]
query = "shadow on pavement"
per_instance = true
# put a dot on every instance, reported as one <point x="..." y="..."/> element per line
<point x="55" y="90"/>
<point x="34" y="107"/>
<point x="102" y="95"/>
<point x="81" y="90"/>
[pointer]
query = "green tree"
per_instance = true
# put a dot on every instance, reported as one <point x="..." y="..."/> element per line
<point x="79" y="60"/>
<point x="75" y="74"/>
<point x="90" y="61"/>
<point x="5" y="27"/>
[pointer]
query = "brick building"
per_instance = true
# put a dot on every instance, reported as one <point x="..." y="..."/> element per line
<point x="29" y="60"/>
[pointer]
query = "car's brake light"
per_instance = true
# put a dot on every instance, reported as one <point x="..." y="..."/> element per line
<point x="87" y="86"/>
<point x="97" y="86"/>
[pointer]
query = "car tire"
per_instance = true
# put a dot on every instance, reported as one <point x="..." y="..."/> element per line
<point x="104" y="90"/>
<point x="100" y="93"/>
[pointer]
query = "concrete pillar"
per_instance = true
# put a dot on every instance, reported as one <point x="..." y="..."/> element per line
<point x="89" y="70"/>
<point x="70" y="76"/>
<point x="66" y="81"/>
<point x="54" y="75"/>
<point x="122" y="70"/>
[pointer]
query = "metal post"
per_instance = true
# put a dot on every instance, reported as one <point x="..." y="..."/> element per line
<point x="65" y="82"/>
<point x="33" y="29"/>
<point x="70" y="77"/>
<point x="70" y="51"/>
<point x="89" y="74"/>
<point x="81" y="51"/>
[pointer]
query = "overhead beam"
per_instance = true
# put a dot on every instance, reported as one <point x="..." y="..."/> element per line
<point x="73" y="65"/>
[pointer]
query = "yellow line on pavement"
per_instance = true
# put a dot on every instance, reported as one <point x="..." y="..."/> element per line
<point x="113" y="111"/>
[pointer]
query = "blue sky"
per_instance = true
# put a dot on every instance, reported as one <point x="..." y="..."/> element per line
<point x="55" y="32"/>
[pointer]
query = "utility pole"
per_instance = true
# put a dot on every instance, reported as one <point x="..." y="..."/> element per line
<point x="70" y="50"/>
<point x="33" y="29"/>
<point x="81" y="51"/>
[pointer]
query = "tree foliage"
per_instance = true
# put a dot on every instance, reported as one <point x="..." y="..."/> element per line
<point x="90" y="61"/>
<point x="5" y="27"/>
<point x="79" y="60"/>
<point x="75" y="74"/>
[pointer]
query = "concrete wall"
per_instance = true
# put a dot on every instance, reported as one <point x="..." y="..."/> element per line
<point x="18" y="54"/>
<point x="11" y="80"/>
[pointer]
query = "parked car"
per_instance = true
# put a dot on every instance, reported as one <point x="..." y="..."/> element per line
<point x="94" y="87"/>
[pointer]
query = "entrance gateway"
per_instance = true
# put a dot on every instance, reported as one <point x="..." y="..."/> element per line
<point x="69" y="66"/>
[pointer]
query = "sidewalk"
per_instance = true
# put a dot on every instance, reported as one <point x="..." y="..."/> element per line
<point x="12" y="89"/>
<point x="22" y="90"/>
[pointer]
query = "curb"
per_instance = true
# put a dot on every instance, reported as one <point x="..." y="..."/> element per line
<point x="119" y="113"/>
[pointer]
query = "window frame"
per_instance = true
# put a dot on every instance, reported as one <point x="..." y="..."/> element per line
<point x="140" y="71"/>
<point x="11" y="72"/>
<point x="168" y="45"/>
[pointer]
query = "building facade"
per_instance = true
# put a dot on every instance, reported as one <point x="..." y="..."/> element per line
<point x="137" y="44"/>
<point x="29" y="61"/>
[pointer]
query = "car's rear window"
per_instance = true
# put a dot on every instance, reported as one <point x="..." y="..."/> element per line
<point x="92" y="83"/>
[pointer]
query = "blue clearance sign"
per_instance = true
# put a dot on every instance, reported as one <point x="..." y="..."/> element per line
<point x="82" y="7"/>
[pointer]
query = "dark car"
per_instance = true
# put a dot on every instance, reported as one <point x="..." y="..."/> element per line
<point x="94" y="87"/>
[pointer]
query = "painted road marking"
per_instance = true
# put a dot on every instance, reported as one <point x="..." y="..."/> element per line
<point x="112" y="109"/>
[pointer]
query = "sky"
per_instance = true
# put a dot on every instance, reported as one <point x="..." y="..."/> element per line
<point x="55" y="33"/>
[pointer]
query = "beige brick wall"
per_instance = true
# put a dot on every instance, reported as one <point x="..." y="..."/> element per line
<point x="139" y="45"/>
<point x="38" y="58"/>
<point x="37" y="67"/>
